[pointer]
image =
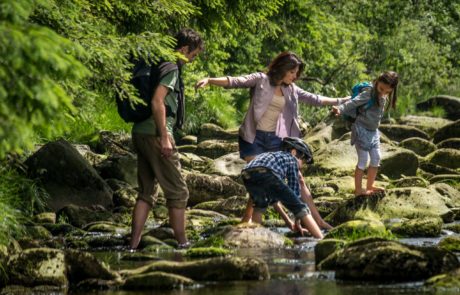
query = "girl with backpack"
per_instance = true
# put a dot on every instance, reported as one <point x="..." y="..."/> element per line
<point x="273" y="113"/>
<point x="364" y="132"/>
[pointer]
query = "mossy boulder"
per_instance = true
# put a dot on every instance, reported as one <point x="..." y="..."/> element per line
<point x="413" y="202"/>
<point x="68" y="177"/>
<point x="410" y="181"/>
<point x="80" y="216"/>
<point x="106" y="227"/>
<point x="451" y="130"/>
<point x="191" y="161"/>
<point x="377" y="260"/>
<point x="420" y="146"/>
<point x="228" y="165"/>
<point x="451" y="143"/>
<point x="445" y="282"/>
<point x="83" y="265"/>
<point x="212" y="131"/>
<point x="114" y="143"/>
<point x="451" y="243"/>
<point x="38" y="232"/>
<point x="148" y="240"/>
<point x="326" y="247"/>
<point x="427" y="124"/>
<point x="203" y="187"/>
<point x="232" y="206"/>
<point x="451" y="195"/>
<point x="449" y="158"/>
<point x="410" y="202"/>
<point x="121" y="167"/>
<point x="418" y="227"/>
<point x="156" y="280"/>
<point x="45" y="217"/>
<point x="400" y="132"/>
<point x="214" y="148"/>
<point x="211" y="269"/>
<point x="38" y="266"/>
<point x="125" y="197"/>
<point x="354" y="229"/>
<point x="321" y="135"/>
<point x="397" y="162"/>
<point x="207" y="252"/>
<point x="339" y="159"/>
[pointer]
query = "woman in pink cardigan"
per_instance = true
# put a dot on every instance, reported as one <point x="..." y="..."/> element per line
<point x="273" y="115"/>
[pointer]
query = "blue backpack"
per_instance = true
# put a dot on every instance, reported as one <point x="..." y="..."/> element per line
<point x="355" y="91"/>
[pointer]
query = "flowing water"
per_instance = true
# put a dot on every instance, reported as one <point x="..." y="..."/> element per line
<point x="292" y="272"/>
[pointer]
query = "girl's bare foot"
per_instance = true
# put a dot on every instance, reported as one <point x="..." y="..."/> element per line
<point x="376" y="189"/>
<point x="360" y="192"/>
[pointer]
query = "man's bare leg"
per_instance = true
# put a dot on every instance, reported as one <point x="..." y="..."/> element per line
<point x="140" y="213"/>
<point x="177" y="222"/>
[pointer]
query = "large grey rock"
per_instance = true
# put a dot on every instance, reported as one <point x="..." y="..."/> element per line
<point x="407" y="202"/>
<point x="449" y="158"/>
<point x="215" y="148"/>
<point x="38" y="266"/>
<point x="420" y="146"/>
<point x="228" y="165"/>
<point x="339" y="158"/>
<point x="204" y="187"/>
<point x="319" y="136"/>
<point x="424" y="123"/>
<point x="252" y="236"/>
<point x="451" y="130"/>
<point x="400" y="132"/>
<point x="376" y="260"/>
<point x="68" y="177"/>
<point x="450" y="104"/>
<point x="80" y="216"/>
<point x="212" y="269"/>
<point x="83" y="266"/>
<point x="156" y="280"/>
<point x="210" y="131"/>
<point x="121" y="167"/>
<point x="114" y="143"/>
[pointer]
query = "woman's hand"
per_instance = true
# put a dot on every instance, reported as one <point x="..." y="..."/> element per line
<point x="336" y="110"/>
<point x="202" y="83"/>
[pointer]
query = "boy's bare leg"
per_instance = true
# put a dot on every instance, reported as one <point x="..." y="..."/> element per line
<point x="257" y="217"/>
<point x="306" y="197"/>
<point x="309" y="223"/>
<point x="177" y="222"/>
<point x="140" y="213"/>
<point x="247" y="212"/>
<point x="371" y="175"/>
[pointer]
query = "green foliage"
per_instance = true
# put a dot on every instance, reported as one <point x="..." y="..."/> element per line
<point x="20" y="198"/>
<point x="64" y="61"/>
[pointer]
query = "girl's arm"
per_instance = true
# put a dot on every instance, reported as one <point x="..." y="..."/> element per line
<point x="318" y="100"/>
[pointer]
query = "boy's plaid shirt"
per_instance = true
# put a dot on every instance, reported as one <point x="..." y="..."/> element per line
<point x="282" y="164"/>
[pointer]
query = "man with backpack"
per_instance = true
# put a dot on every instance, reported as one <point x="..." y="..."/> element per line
<point x="157" y="155"/>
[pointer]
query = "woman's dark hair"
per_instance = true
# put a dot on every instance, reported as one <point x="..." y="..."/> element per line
<point x="280" y="65"/>
<point x="190" y="38"/>
<point x="392" y="79"/>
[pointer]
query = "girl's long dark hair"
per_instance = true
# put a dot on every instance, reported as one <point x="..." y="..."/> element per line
<point x="392" y="79"/>
<point x="281" y="64"/>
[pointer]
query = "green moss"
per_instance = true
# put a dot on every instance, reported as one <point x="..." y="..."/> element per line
<point x="207" y="252"/>
<point x="288" y="242"/>
<point x="213" y="241"/>
<point x="450" y="243"/>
